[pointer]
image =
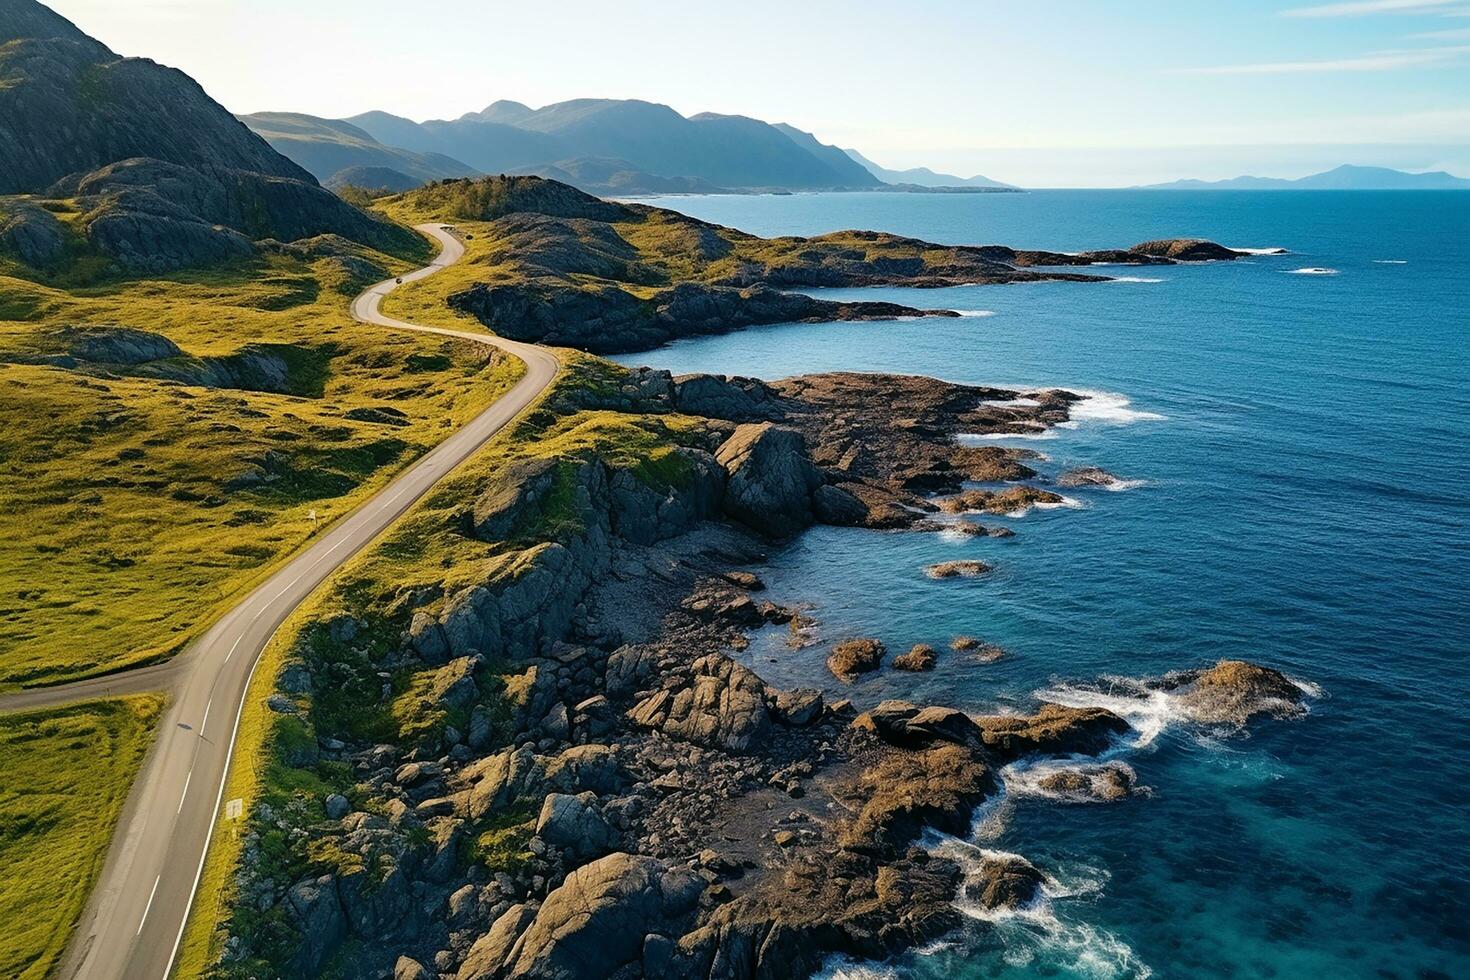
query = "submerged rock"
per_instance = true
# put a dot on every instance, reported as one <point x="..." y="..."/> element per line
<point x="1091" y="784"/>
<point x="968" y="568"/>
<point x="1004" y="882"/>
<point x="1087" y="476"/>
<point x="857" y="656"/>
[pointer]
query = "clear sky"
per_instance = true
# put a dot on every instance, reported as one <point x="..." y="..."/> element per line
<point x="1054" y="93"/>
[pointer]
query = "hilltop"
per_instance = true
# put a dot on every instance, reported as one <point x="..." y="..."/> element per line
<point x="337" y="152"/>
<point x="125" y="166"/>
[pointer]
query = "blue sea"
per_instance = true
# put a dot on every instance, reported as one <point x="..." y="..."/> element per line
<point x="1297" y="446"/>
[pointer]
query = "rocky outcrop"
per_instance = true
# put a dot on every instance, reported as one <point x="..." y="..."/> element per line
<point x="1107" y="783"/>
<point x="898" y="797"/>
<point x="31" y="233"/>
<point x="771" y="479"/>
<point x="722" y="704"/>
<point x="920" y="657"/>
<point x="596" y="922"/>
<point x="964" y="568"/>
<point x="608" y="319"/>
<point x="1186" y="250"/>
<point x="1053" y="730"/>
<point x="907" y="725"/>
<point x="1006" y="501"/>
<point x="1003" y="881"/>
<point x="1234" y="691"/>
<point x="574" y="824"/>
<point x="855" y="656"/>
<point x="1087" y="476"/>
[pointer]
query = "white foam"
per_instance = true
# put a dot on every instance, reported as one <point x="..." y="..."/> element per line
<point x="1025" y="778"/>
<point x="1147" y="712"/>
<point x="1117" y="486"/>
<point x="973" y="313"/>
<point x="1110" y="407"/>
<point x="1012" y="403"/>
<point x="1312" y="270"/>
<point x="1390" y="261"/>
<point x="1260" y="251"/>
<point x="1135" y="279"/>
<point x="976" y="438"/>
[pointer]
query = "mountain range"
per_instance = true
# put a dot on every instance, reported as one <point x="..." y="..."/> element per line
<point x="1347" y="177"/>
<point x="604" y="146"/>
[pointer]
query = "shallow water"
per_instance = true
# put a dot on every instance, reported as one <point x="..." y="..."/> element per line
<point x="1301" y="442"/>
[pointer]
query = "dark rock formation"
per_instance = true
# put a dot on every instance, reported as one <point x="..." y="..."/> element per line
<point x="1086" y="476"/>
<point x="1004" y="881"/>
<point x="1053" y="730"/>
<point x="609" y="319"/>
<point x="964" y="568"/>
<point x="1005" y="501"/>
<point x="771" y="479"/>
<point x="1186" y="250"/>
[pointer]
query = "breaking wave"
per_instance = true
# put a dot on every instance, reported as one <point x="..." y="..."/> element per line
<point x="1312" y="270"/>
<point x="1109" y="407"/>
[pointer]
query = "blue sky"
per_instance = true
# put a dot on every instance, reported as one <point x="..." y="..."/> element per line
<point x="1059" y="93"/>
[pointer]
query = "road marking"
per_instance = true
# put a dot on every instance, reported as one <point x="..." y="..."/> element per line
<point x="148" y="906"/>
<point x="185" y="792"/>
<point x="207" y="705"/>
<point x="235" y="646"/>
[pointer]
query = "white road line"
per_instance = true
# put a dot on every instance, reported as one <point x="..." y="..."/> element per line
<point x="185" y="792"/>
<point x="148" y="906"/>
<point x="233" y="647"/>
<point x="207" y="705"/>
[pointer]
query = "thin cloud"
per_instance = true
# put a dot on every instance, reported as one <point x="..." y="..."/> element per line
<point x="1378" y="61"/>
<point x="1453" y="34"/>
<point x="1360" y="8"/>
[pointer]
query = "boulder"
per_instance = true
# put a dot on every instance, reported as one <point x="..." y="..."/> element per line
<point x="1106" y="783"/>
<point x="723" y="705"/>
<point x="337" y="806"/>
<point x="717" y="397"/>
<point x="408" y="968"/>
<point x="315" y="909"/>
<point x="1007" y="501"/>
<point x="574" y="824"/>
<point x="1004" y="882"/>
<point x="904" y="793"/>
<point x="965" y="568"/>
<point x="1234" y="691"/>
<point x="771" y="479"/>
<point x="908" y="725"/>
<point x="920" y="658"/>
<point x="833" y="505"/>
<point x="797" y="708"/>
<point x="1053" y="730"/>
<point x="855" y="656"/>
<point x="1087" y="476"/>
<point x="595" y="922"/>
<point x="487" y="957"/>
<point x="1186" y="250"/>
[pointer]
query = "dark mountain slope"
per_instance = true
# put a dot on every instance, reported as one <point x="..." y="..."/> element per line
<point x="153" y="173"/>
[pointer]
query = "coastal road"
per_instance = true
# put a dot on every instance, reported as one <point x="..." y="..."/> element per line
<point x="135" y="918"/>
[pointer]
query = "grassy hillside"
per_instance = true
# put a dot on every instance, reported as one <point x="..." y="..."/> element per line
<point x="67" y="773"/>
<point x="168" y="439"/>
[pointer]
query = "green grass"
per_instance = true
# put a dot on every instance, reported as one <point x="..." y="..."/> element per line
<point x="67" y="773"/>
<point x="136" y="508"/>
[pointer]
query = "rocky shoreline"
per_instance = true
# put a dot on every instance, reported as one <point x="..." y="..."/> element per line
<point x="637" y="803"/>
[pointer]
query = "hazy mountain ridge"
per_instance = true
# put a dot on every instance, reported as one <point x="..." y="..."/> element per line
<point x="922" y="176"/>
<point x="600" y="144"/>
<point x="326" y="147"/>
<point x="1344" y="178"/>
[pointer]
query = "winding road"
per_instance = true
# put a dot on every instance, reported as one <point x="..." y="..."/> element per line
<point x="135" y="919"/>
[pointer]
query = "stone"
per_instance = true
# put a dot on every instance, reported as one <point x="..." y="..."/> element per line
<point x="337" y="806"/>
<point x="722" y="706"/>
<point x="921" y="657"/>
<point x="1234" y="691"/>
<point x="964" y="568"/>
<point x="1106" y="783"/>
<point x="314" y="908"/>
<point x="1053" y="730"/>
<point x="797" y="708"/>
<point x="408" y="968"/>
<point x="574" y="824"/>
<point x="908" y="725"/>
<point x="770" y="479"/>
<point x="1087" y="476"/>
<point x="855" y="656"/>
<point x="1004" y="881"/>
<point x="487" y="957"/>
<point x="594" y="923"/>
<point x="904" y="793"/>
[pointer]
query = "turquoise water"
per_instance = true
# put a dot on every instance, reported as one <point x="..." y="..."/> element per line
<point x="1301" y="442"/>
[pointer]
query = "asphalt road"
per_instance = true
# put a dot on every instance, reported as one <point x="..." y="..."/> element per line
<point x="135" y="918"/>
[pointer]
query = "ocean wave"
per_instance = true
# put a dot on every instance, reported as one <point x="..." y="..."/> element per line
<point x="1312" y="270"/>
<point x="1036" y="934"/>
<point x="1275" y="250"/>
<point x="1117" y="486"/>
<point x="973" y="313"/>
<point x="1071" y="502"/>
<point x="1107" y="406"/>
<point x="1136" y="279"/>
<point x="1390" y="261"/>
<point x="1148" y="712"/>
<point x="1011" y="403"/>
<point x="1106" y="781"/>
